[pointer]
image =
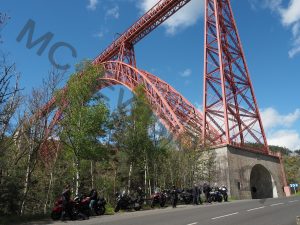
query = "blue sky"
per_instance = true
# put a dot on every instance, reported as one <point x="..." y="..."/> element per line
<point x="269" y="29"/>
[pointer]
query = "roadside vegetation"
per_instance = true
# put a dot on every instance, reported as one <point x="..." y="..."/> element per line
<point x="291" y="163"/>
<point x="90" y="147"/>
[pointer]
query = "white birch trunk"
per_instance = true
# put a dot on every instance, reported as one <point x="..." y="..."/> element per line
<point x="145" y="175"/>
<point x="27" y="178"/>
<point x="77" y="176"/>
<point x="129" y="176"/>
<point x="48" y="193"/>
<point x="92" y="173"/>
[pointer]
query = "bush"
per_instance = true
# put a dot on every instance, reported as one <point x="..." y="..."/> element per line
<point x="9" y="196"/>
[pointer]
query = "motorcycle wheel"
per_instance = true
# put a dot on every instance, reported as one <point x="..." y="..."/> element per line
<point x="187" y="201"/>
<point x="100" y="210"/>
<point x="152" y="204"/>
<point x="225" y="198"/>
<point x="220" y="199"/>
<point x="209" y="200"/>
<point x="137" y="208"/>
<point x="117" y="209"/>
<point x="55" y="215"/>
<point x="162" y="203"/>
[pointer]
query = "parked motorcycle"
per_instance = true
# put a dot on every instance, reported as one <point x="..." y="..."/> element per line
<point x="158" y="198"/>
<point x="75" y="210"/>
<point x="206" y="191"/>
<point x="82" y="205"/>
<point x="99" y="207"/>
<point x="57" y="209"/>
<point x="186" y="196"/>
<point x="215" y="195"/>
<point x="167" y="194"/>
<point x="126" y="202"/>
<point x="223" y="191"/>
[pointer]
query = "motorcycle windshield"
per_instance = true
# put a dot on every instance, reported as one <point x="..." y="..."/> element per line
<point x="156" y="190"/>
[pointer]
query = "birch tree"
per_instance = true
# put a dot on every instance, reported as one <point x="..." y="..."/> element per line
<point x="84" y="116"/>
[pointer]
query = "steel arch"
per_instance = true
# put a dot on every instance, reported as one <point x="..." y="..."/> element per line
<point x="175" y="112"/>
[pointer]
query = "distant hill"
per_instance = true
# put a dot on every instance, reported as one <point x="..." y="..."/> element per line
<point x="283" y="150"/>
<point x="291" y="163"/>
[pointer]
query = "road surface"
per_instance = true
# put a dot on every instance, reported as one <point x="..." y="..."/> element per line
<point x="278" y="211"/>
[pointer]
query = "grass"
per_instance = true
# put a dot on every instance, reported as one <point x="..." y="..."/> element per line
<point x="232" y="198"/>
<point x="109" y="210"/>
<point x="146" y="207"/>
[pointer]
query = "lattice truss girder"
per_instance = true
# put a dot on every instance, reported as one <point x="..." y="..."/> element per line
<point x="159" y="13"/>
<point x="229" y="101"/>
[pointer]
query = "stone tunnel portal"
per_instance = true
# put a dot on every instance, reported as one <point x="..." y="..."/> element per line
<point x="261" y="182"/>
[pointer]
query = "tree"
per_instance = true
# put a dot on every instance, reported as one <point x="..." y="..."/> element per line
<point x="84" y="116"/>
<point x="10" y="97"/>
<point x="292" y="168"/>
<point x="283" y="150"/>
<point x="138" y="139"/>
<point x="32" y="135"/>
<point x="131" y="138"/>
<point x="10" y="100"/>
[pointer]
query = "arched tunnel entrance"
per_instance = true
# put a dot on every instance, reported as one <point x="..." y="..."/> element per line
<point x="261" y="182"/>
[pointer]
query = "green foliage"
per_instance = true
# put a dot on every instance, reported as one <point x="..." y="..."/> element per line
<point x="132" y="139"/>
<point x="292" y="169"/>
<point x="297" y="152"/>
<point x="137" y="136"/>
<point x="83" y="114"/>
<point x="284" y="151"/>
<point x="110" y="210"/>
<point x="9" y="196"/>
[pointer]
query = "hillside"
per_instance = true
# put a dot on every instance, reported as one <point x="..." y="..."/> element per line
<point x="291" y="163"/>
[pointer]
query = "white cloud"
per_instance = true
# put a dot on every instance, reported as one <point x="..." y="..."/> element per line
<point x="291" y="14"/>
<point x="290" y="17"/>
<point x="185" y="17"/>
<point x="92" y="4"/>
<point x="186" y="73"/>
<point x="279" y="128"/>
<point x="272" y="118"/>
<point x="272" y="4"/>
<point x="294" y="51"/>
<point x="285" y="138"/>
<point x="99" y="35"/>
<point x="113" y="12"/>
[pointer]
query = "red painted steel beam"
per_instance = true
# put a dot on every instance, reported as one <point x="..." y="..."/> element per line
<point x="229" y="101"/>
<point x="147" y="23"/>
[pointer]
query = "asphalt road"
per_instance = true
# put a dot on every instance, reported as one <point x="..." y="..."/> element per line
<point x="278" y="211"/>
